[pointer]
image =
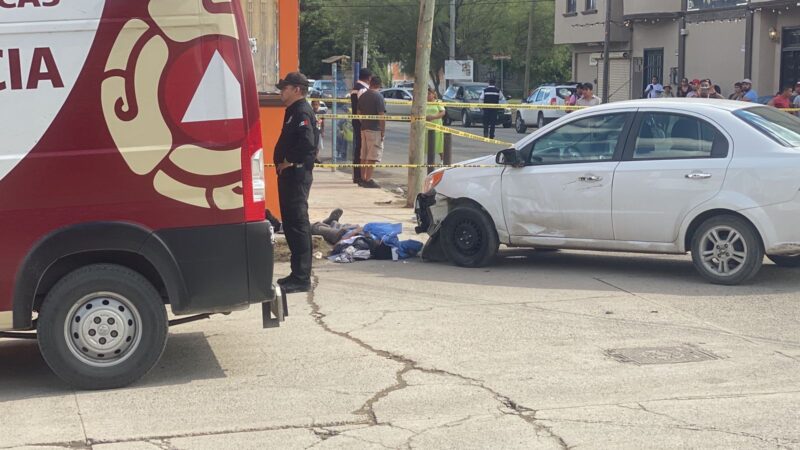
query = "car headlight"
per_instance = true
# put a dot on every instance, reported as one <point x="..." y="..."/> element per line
<point x="507" y="111"/>
<point x="475" y="109"/>
<point x="433" y="180"/>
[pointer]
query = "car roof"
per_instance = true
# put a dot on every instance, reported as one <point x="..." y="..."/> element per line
<point x="681" y="103"/>
<point x="469" y="83"/>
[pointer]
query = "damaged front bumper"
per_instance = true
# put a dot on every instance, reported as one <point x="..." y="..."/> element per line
<point x="431" y="209"/>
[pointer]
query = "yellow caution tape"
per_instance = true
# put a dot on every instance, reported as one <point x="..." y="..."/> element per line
<point x="454" y="132"/>
<point x="465" y="105"/>
<point x="367" y="117"/>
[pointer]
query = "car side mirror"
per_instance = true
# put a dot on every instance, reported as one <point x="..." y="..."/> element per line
<point x="508" y="157"/>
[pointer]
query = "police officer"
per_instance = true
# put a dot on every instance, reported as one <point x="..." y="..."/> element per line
<point x="362" y="85"/>
<point x="294" y="162"/>
<point x="490" y="95"/>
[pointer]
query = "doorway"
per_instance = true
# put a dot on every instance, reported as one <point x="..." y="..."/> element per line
<point x="790" y="57"/>
<point x="653" y="67"/>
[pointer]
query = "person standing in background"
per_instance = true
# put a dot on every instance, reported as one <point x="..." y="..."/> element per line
<point x="362" y="85"/>
<point x="491" y="96"/>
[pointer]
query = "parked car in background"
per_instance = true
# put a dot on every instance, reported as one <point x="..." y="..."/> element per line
<point x="470" y="92"/>
<point x="403" y="94"/>
<point x="555" y="94"/>
<point x="325" y="89"/>
<point x="716" y="178"/>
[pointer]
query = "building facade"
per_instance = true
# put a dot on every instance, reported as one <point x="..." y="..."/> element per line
<point x="725" y="40"/>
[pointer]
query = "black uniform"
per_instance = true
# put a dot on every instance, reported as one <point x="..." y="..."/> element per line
<point x="297" y="145"/>
<point x="491" y="95"/>
<point x="358" y="88"/>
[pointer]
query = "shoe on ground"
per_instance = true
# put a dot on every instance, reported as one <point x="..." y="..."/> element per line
<point x="284" y="280"/>
<point x="371" y="184"/>
<point x="334" y="216"/>
<point x="294" y="287"/>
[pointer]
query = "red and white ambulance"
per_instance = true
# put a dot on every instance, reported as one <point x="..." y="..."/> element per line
<point x="131" y="177"/>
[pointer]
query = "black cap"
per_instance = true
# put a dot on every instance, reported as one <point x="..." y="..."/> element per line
<point x="294" y="79"/>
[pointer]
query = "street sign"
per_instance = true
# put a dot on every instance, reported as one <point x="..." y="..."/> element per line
<point x="501" y="57"/>
<point x="459" y="70"/>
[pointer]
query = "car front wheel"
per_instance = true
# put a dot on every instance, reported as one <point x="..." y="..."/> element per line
<point x="102" y="326"/>
<point x="469" y="237"/>
<point x="465" y="119"/>
<point x="785" y="261"/>
<point x="520" y="125"/>
<point x="727" y="250"/>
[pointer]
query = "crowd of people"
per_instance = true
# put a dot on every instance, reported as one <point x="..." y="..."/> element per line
<point x="787" y="98"/>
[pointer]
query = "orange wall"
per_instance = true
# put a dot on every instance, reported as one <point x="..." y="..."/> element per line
<point x="272" y="116"/>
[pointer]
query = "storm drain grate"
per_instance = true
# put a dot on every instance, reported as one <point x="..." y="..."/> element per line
<point x="661" y="355"/>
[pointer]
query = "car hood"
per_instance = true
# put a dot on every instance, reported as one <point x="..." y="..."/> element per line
<point x="483" y="160"/>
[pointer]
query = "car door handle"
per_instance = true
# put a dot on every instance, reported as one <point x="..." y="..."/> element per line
<point x="698" y="176"/>
<point x="590" y="178"/>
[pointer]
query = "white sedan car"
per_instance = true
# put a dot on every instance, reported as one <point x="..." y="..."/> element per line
<point x="716" y="178"/>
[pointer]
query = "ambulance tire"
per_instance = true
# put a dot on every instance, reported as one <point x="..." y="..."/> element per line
<point x="102" y="326"/>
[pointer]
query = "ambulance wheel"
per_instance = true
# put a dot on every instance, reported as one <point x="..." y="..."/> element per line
<point x="102" y="327"/>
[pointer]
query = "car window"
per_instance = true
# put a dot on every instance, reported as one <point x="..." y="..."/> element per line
<point x="592" y="138"/>
<point x="677" y="136"/>
<point x="542" y="95"/>
<point x="532" y="98"/>
<point x="565" y="93"/>
<point x="450" y="93"/>
<point x="781" y="127"/>
<point x="404" y="95"/>
<point x="388" y="94"/>
<point x="473" y="93"/>
<point x="460" y="93"/>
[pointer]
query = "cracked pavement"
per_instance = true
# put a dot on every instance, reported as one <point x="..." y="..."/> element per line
<point x="411" y="355"/>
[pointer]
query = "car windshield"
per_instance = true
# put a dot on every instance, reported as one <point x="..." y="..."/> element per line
<point x="780" y="126"/>
<point x="472" y="92"/>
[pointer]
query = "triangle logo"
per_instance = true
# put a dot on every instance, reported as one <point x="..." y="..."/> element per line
<point x="219" y="95"/>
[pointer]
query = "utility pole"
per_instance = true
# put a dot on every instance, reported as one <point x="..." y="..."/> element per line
<point x="366" y="45"/>
<point x="528" y="53"/>
<point x="353" y="62"/>
<point x="452" y="34"/>
<point x="416" y="143"/>
<point x="606" y="44"/>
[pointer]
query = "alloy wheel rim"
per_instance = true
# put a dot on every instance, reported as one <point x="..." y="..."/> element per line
<point x="723" y="251"/>
<point x="103" y="329"/>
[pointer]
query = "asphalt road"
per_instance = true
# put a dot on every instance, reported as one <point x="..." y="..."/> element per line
<point x="396" y="149"/>
<point x="540" y="350"/>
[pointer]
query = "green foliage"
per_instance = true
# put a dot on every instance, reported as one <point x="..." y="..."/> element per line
<point x="483" y="28"/>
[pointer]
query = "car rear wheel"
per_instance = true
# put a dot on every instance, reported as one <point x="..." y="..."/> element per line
<point x="465" y="120"/>
<point x="540" y="121"/>
<point x="520" y="124"/>
<point x="469" y="237"/>
<point x="102" y="326"/>
<point x="727" y="250"/>
<point x="785" y="261"/>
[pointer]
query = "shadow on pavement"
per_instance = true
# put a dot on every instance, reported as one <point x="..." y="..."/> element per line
<point x="24" y="373"/>
<point x="657" y="274"/>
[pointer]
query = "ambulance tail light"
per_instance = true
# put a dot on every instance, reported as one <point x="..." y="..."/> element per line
<point x="259" y="186"/>
<point x="253" y="180"/>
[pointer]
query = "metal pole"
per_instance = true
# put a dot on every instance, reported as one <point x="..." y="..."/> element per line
<point x="682" y="41"/>
<point x="447" y="156"/>
<point x="606" y="44"/>
<point x="452" y="34"/>
<point x="528" y="52"/>
<point x="748" y="42"/>
<point x="501" y="75"/>
<point x="416" y="176"/>
<point x="366" y="45"/>
<point x="431" y="150"/>
<point x="334" y="129"/>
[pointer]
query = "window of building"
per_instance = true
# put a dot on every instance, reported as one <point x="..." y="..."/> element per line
<point x="572" y="6"/>
<point x="694" y="5"/>
<point x="262" y="24"/>
<point x="591" y="5"/>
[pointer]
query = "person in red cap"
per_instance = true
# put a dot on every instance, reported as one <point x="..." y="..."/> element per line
<point x="294" y="162"/>
<point x="695" y="89"/>
<point x="783" y="99"/>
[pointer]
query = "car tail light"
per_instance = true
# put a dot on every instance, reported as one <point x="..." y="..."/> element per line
<point x="254" y="185"/>
<point x="553" y="101"/>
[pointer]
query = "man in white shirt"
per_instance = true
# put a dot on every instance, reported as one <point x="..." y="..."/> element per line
<point x="654" y="89"/>
<point x="588" y="99"/>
